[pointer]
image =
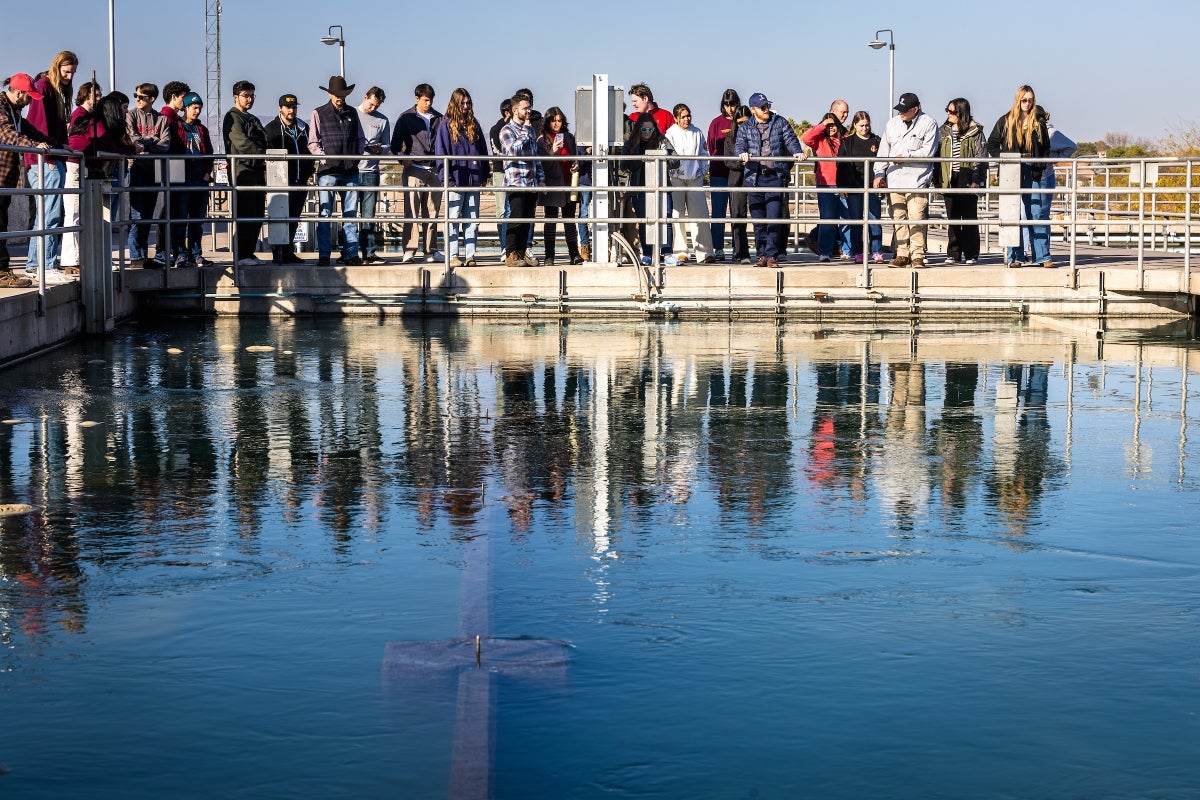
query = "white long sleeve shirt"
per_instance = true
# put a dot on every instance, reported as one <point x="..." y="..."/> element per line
<point x="688" y="141"/>
<point x="908" y="140"/>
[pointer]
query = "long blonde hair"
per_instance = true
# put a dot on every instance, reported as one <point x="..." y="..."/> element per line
<point x="54" y="74"/>
<point x="1018" y="127"/>
<point x="462" y="124"/>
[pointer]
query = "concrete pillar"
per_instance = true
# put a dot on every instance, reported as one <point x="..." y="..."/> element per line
<point x="96" y="266"/>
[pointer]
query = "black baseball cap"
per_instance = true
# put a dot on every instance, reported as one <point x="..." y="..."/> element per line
<point x="288" y="100"/>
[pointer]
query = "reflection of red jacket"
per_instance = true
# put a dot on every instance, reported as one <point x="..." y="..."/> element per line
<point x="662" y="118"/>
<point x="825" y="146"/>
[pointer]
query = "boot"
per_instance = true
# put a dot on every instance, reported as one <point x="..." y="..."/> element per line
<point x="585" y="252"/>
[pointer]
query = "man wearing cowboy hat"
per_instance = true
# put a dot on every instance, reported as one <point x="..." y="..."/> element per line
<point x="334" y="131"/>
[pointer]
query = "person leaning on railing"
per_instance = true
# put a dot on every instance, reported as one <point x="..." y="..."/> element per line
<point x="14" y="131"/>
<point x="1022" y="131"/>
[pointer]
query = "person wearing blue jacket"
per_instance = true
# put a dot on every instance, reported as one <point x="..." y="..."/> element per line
<point x="460" y="137"/>
<point x="759" y="145"/>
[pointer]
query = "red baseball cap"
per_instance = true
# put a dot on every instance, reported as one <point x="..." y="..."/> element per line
<point x="23" y="83"/>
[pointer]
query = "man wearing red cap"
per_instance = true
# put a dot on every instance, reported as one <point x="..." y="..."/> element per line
<point x="18" y="91"/>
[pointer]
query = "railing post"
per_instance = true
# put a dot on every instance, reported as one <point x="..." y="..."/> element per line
<point x="655" y="179"/>
<point x="96" y="274"/>
<point x="1186" y="283"/>
<point x="446" y="215"/>
<point x="1141" y="227"/>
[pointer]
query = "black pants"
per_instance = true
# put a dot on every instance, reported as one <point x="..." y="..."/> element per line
<point x="569" y="230"/>
<point x="737" y="210"/>
<point x="962" y="241"/>
<point x="5" y="201"/>
<point x="516" y="238"/>
<point x="250" y="203"/>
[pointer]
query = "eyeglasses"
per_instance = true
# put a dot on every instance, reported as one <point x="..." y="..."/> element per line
<point x="246" y="94"/>
<point x="684" y="116"/>
<point x="952" y="112"/>
<point x="148" y="99"/>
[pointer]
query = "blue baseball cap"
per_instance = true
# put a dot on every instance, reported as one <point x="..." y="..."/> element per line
<point x="759" y="100"/>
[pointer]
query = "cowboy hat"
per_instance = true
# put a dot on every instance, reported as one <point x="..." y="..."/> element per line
<point x="337" y="86"/>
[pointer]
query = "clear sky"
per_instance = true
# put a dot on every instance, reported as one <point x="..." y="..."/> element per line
<point x="1096" y="67"/>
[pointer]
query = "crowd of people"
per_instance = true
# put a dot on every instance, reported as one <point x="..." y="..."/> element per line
<point x="747" y="147"/>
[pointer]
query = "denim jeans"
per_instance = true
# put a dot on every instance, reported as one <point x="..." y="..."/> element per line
<point x="349" y="200"/>
<point x="854" y="215"/>
<point x="831" y="206"/>
<point x="367" y="200"/>
<point x="585" y="207"/>
<point x="769" y="237"/>
<point x="462" y="205"/>
<point x="56" y="177"/>
<point x="1036" y="207"/>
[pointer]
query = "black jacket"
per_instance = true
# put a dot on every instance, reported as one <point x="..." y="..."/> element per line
<point x="299" y="171"/>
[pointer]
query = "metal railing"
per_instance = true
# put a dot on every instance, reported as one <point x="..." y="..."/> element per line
<point x="1144" y="203"/>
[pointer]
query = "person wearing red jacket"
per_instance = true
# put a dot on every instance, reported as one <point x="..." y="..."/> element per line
<point x="825" y="139"/>
<point x="50" y="116"/>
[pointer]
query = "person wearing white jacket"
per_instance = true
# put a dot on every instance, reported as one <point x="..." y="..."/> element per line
<point x="687" y="140"/>
<point x="910" y="134"/>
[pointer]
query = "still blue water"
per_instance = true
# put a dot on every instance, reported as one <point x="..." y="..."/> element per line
<point x="790" y="561"/>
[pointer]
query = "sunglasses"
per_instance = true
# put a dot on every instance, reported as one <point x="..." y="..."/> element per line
<point x="647" y="130"/>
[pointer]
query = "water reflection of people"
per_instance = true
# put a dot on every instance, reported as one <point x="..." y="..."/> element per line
<point x="841" y="425"/>
<point x="749" y="447"/>
<point x="901" y="462"/>
<point x="1020" y="444"/>
<point x="958" y="438"/>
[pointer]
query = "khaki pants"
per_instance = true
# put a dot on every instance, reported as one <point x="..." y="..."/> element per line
<point x="909" y="239"/>
<point x="420" y="205"/>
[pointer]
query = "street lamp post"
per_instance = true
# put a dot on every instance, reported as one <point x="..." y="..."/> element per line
<point x="878" y="43"/>
<point x="339" y="40"/>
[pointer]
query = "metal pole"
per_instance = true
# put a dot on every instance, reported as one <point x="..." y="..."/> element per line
<point x="112" y="48"/>
<point x="891" y="77"/>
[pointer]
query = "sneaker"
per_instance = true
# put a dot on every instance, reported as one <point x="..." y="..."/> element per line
<point x="682" y="258"/>
<point x="323" y="261"/>
<point x="201" y="261"/>
<point x="290" y="257"/>
<point x="782" y="258"/>
<point x="418" y="255"/>
<point x="970" y="262"/>
<point x="470" y="262"/>
<point x="719" y="255"/>
<point x="670" y="261"/>
<point x="548" y="261"/>
<point x="456" y="262"/>
<point x="353" y="261"/>
<point x="372" y="259"/>
<point x="647" y="261"/>
<point x="745" y="261"/>
<point x="877" y="258"/>
<point x="844" y="257"/>
<point x="858" y="259"/>
<point x="407" y="258"/>
<point x="153" y="263"/>
<point x="10" y="281"/>
<point x="181" y="260"/>
<point x="823" y="259"/>
<point x="530" y="261"/>
<point x="249" y="261"/>
<point x="950" y="260"/>
<point x="435" y="257"/>
<point x="709" y="260"/>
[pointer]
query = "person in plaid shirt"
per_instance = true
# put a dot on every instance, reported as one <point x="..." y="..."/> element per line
<point x="14" y="130"/>
<point x="518" y="142"/>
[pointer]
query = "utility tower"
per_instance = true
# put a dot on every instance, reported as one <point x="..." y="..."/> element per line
<point x="212" y="69"/>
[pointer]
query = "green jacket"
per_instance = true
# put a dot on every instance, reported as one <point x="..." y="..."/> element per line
<point x="974" y="154"/>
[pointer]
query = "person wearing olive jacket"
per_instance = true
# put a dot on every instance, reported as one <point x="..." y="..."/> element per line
<point x="961" y="139"/>
<point x="244" y="135"/>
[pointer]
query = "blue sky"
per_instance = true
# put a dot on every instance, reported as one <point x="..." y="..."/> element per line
<point x="1096" y="67"/>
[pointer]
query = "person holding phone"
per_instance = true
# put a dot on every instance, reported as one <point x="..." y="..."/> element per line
<point x="556" y="140"/>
